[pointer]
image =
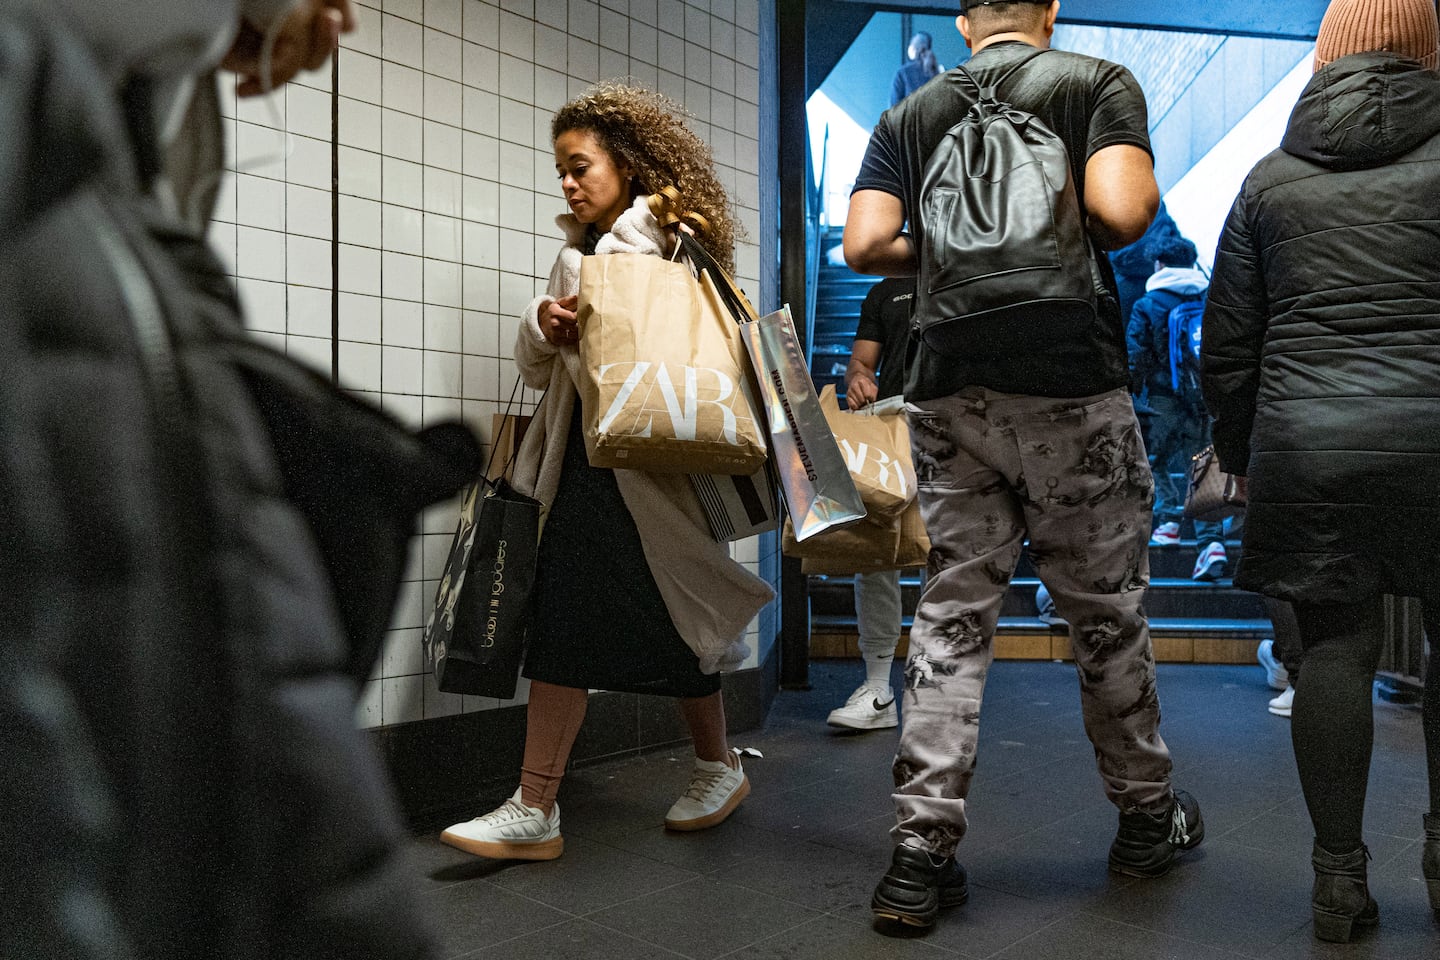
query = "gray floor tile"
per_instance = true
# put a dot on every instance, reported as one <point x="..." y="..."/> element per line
<point x="604" y="812"/>
<point x="993" y="920"/>
<point x="870" y="838"/>
<point x="574" y="940"/>
<point x="817" y="809"/>
<point x="819" y="877"/>
<point x="1086" y="937"/>
<point x="477" y="914"/>
<point x="1064" y="861"/>
<point x="830" y="938"/>
<point x="701" y="851"/>
<point x="1237" y="898"/>
<point x="590" y="876"/>
<point x="704" y="918"/>
<point x="1003" y="809"/>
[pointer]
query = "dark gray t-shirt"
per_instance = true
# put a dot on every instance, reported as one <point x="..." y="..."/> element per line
<point x="1090" y="104"/>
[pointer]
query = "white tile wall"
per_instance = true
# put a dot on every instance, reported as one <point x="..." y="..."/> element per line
<point x="446" y="199"/>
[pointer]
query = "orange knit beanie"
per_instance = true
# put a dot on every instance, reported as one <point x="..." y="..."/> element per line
<point x="1406" y="28"/>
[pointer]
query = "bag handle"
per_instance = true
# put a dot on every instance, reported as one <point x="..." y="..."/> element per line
<point x="494" y="446"/>
<point x="668" y="210"/>
<point x="735" y="301"/>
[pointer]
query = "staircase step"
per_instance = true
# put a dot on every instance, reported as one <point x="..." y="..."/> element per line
<point x="1259" y="627"/>
<point x="1175" y="596"/>
<point x="1165" y="562"/>
<point x="1176" y="640"/>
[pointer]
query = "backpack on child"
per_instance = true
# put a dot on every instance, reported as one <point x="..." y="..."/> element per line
<point x="1185" y="320"/>
<point x="1001" y="234"/>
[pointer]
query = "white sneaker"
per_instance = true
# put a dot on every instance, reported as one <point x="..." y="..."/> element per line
<point x="1210" y="565"/>
<point x="1282" y="704"/>
<point x="1275" y="673"/>
<point x="1166" y="535"/>
<point x="512" y="831"/>
<point x="869" y="708"/>
<point x="716" y="789"/>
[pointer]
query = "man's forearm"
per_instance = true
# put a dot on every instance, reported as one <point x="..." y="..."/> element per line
<point x="859" y="367"/>
<point x="895" y="258"/>
<point x="875" y="239"/>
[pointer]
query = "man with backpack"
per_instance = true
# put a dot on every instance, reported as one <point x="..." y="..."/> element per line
<point x="1021" y="421"/>
<point x="1164" y="344"/>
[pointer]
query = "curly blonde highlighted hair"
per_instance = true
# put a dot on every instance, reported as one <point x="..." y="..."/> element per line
<point x="646" y="131"/>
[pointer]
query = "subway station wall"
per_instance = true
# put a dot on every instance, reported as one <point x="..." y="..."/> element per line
<point x="411" y="193"/>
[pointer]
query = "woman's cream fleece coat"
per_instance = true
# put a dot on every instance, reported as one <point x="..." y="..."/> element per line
<point x="709" y="596"/>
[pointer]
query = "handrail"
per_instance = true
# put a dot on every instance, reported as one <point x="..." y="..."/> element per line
<point x="813" y="237"/>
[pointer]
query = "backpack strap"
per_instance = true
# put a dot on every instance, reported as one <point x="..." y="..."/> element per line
<point x="992" y="91"/>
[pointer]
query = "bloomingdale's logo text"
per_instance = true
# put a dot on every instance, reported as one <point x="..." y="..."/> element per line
<point x="497" y="587"/>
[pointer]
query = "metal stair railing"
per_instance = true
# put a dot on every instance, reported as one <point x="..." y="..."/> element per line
<point x="814" y="213"/>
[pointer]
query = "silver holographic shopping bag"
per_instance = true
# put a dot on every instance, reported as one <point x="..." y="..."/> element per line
<point x="814" y="478"/>
<point x="818" y="488"/>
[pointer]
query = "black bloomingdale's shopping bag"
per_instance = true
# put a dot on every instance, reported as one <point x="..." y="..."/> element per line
<point x="475" y="635"/>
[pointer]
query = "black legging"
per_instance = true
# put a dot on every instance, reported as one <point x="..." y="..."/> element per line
<point x="1332" y="722"/>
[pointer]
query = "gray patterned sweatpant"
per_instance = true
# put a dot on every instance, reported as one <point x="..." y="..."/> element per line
<point x="1072" y="475"/>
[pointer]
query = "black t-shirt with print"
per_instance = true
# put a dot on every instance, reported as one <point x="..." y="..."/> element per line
<point x="1090" y="104"/>
<point x="885" y="318"/>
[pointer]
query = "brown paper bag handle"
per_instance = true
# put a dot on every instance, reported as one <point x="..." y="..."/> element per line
<point x="494" y="445"/>
<point x="668" y="211"/>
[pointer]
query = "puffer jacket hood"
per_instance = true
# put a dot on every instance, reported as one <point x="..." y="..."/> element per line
<point x="1362" y="111"/>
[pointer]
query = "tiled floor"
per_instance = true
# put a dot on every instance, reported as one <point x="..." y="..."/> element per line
<point x="789" y="875"/>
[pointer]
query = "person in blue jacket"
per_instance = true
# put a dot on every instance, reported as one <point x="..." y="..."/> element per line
<point x="1179" y="425"/>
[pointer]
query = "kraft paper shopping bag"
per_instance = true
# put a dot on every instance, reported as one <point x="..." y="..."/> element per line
<point x="664" y="386"/>
<point x="876" y="447"/>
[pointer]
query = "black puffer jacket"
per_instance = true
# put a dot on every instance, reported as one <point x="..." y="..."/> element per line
<point x="199" y="549"/>
<point x="1322" y="340"/>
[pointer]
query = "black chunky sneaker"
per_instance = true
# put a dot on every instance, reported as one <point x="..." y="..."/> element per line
<point x="1147" y="844"/>
<point x="917" y="885"/>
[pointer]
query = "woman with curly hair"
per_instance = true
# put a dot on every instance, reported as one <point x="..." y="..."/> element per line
<point x="633" y="594"/>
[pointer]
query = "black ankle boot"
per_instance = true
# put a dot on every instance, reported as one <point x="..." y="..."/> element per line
<point x="1430" y="860"/>
<point x="1341" y="897"/>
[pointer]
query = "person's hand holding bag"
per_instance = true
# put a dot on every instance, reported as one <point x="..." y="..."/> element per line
<point x="558" y="323"/>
